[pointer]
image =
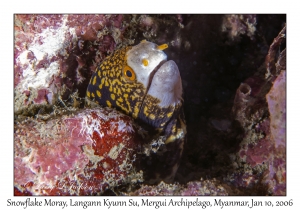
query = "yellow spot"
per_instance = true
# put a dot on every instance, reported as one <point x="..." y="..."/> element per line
<point x="162" y="47"/>
<point x="94" y="80"/>
<point x="119" y="92"/>
<point x="170" y="139"/>
<point x="120" y="99"/>
<point x="135" y="94"/>
<point x="116" y="81"/>
<point x="152" y="116"/>
<point x="108" y="103"/>
<point x="93" y="95"/>
<point x="145" y="62"/>
<point x="113" y="97"/>
<point x="129" y="106"/>
<point x="169" y="114"/>
<point x="98" y="93"/>
<point x="163" y="124"/>
<point x="177" y="132"/>
<point x="136" y="111"/>
<point x="125" y="95"/>
<point x="110" y="88"/>
<point x="144" y="41"/>
<point x="133" y="97"/>
<point x="146" y="111"/>
<point x="102" y="82"/>
<point x="122" y="107"/>
<point x="106" y="83"/>
<point x="88" y="94"/>
<point x="99" y="73"/>
<point x="174" y="129"/>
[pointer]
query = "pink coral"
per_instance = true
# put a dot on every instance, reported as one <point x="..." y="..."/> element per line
<point x="55" y="55"/>
<point x="84" y="154"/>
<point x="277" y="107"/>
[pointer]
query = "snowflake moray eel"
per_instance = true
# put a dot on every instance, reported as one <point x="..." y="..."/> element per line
<point x="141" y="82"/>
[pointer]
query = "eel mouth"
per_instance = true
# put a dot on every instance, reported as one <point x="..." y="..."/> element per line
<point x="153" y="73"/>
<point x="166" y="84"/>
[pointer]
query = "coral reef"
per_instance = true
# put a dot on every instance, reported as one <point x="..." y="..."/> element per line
<point x="233" y="71"/>
<point x="260" y="108"/>
<point x="194" y="188"/>
<point x="84" y="154"/>
<point x="276" y="178"/>
<point x="55" y="55"/>
<point x="237" y="25"/>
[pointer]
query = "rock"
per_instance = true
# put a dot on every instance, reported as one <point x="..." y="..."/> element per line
<point x="194" y="188"/>
<point x="55" y="55"/>
<point x="276" y="178"/>
<point x="260" y="108"/>
<point x="79" y="154"/>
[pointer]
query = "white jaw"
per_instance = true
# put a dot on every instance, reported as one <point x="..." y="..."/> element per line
<point x="166" y="84"/>
<point x="159" y="105"/>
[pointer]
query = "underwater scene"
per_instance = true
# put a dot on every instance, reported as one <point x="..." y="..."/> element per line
<point x="159" y="104"/>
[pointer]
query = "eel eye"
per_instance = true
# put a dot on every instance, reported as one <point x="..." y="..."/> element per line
<point x="128" y="73"/>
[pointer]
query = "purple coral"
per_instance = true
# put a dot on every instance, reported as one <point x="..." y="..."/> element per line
<point x="277" y="107"/>
<point x="55" y="55"/>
